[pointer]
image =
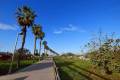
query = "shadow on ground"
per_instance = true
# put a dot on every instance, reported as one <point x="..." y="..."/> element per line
<point x="38" y="66"/>
<point x="86" y="77"/>
<point x="21" y="78"/>
<point x="65" y="76"/>
<point x="92" y="72"/>
<point x="75" y="69"/>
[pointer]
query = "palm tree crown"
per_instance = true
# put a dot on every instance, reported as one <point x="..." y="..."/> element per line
<point x="45" y="43"/>
<point x="25" y="16"/>
<point x="36" y="29"/>
<point x="41" y="35"/>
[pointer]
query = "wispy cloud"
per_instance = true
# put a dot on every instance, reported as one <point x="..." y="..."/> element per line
<point x="4" y="26"/>
<point x="69" y="28"/>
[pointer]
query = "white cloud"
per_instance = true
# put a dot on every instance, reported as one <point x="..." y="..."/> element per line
<point x="7" y="27"/>
<point x="69" y="28"/>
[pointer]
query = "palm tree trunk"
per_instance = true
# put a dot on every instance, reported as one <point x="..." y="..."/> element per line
<point x="22" y="46"/>
<point x="23" y="37"/>
<point x="40" y="49"/>
<point x="44" y="52"/>
<point x="35" y="44"/>
<point x="34" y="48"/>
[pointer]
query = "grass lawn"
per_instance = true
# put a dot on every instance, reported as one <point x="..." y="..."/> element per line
<point x="76" y="69"/>
<point x="4" y="66"/>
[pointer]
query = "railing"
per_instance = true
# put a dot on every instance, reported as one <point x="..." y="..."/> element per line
<point x="57" y="77"/>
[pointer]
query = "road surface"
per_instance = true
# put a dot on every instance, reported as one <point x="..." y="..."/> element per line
<point x="39" y="71"/>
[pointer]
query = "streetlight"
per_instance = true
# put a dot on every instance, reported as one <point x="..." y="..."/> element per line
<point x="10" y="68"/>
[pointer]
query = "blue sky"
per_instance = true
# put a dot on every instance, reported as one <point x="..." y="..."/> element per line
<point x="68" y="24"/>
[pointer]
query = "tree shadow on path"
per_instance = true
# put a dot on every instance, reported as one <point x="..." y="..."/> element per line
<point x="92" y="72"/>
<point x="65" y="76"/>
<point x="21" y="78"/>
<point x="38" y="66"/>
<point x="80" y="73"/>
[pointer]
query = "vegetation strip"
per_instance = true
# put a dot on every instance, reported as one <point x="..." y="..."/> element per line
<point x="75" y="68"/>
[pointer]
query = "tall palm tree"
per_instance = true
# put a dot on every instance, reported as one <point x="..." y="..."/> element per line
<point x="41" y="36"/>
<point x="36" y="30"/>
<point x="25" y="17"/>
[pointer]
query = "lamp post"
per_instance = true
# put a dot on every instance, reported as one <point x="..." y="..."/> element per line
<point x="10" y="68"/>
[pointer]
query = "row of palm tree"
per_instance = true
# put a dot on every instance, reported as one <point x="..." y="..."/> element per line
<point x="25" y="18"/>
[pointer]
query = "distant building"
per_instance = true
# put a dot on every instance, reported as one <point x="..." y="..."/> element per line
<point x="83" y="57"/>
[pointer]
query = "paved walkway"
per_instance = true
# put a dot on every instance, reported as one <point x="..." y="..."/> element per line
<point x="39" y="71"/>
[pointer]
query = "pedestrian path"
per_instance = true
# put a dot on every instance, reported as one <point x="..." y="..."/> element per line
<point x="42" y="70"/>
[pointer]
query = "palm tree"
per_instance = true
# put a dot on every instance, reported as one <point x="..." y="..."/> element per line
<point x="41" y="36"/>
<point x="25" y="18"/>
<point x="36" y="30"/>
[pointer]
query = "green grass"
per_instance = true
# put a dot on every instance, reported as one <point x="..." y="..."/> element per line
<point x="4" y="66"/>
<point x="76" y="69"/>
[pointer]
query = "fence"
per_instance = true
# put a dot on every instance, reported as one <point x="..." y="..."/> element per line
<point x="57" y="77"/>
